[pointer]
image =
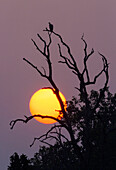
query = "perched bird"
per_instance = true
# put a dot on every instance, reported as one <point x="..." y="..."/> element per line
<point x="50" y="27"/>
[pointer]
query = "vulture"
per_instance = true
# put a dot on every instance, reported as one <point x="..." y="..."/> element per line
<point x="50" y="27"/>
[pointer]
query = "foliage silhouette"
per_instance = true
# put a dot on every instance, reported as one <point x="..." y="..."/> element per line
<point x="102" y="153"/>
<point x="19" y="162"/>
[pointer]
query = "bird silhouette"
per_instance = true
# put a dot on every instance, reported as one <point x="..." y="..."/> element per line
<point x="50" y="27"/>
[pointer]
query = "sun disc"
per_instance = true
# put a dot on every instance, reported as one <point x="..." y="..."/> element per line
<point x="44" y="102"/>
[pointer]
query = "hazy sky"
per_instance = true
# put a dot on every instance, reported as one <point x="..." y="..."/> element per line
<point x="21" y="20"/>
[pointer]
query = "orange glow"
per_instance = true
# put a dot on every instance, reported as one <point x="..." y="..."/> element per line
<point x="45" y="103"/>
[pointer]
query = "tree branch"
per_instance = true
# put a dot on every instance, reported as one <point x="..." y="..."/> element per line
<point x="105" y="70"/>
<point x="71" y="63"/>
<point x="35" y="67"/>
<point x="45" y="136"/>
<point x="27" y="119"/>
<point x="38" y="48"/>
<point x="66" y="60"/>
<point x="85" y="70"/>
<point x="43" y="42"/>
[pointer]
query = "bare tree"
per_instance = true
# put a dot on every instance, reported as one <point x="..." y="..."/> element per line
<point x="84" y="81"/>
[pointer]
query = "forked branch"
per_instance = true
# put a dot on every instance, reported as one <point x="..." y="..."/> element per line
<point x="86" y="57"/>
<point x="35" y="67"/>
<point x="48" y="135"/>
<point x="71" y="63"/>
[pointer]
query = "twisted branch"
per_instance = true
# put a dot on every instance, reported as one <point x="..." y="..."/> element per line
<point x="46" y="135"/>
<point x="27" y="119"/>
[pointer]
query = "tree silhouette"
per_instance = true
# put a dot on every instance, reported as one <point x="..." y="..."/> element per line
<point x="85" y="122"/>
<point x="19" y="162"/>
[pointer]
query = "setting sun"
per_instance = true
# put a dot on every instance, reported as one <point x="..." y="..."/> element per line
<point x="44" y="102"/>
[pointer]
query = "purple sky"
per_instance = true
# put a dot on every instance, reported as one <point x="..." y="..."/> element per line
<point x="19" y="22"/>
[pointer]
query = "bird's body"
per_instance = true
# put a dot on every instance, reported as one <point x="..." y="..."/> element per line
<point x="50" y="27"/>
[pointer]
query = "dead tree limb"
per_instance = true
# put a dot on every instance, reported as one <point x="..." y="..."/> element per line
<point x="47" y="134"/>
<point x="27" y="119"/>
<point x="72" y="65"/>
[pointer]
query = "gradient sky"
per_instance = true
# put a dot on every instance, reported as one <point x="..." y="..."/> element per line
<point x="21" y="20"/>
